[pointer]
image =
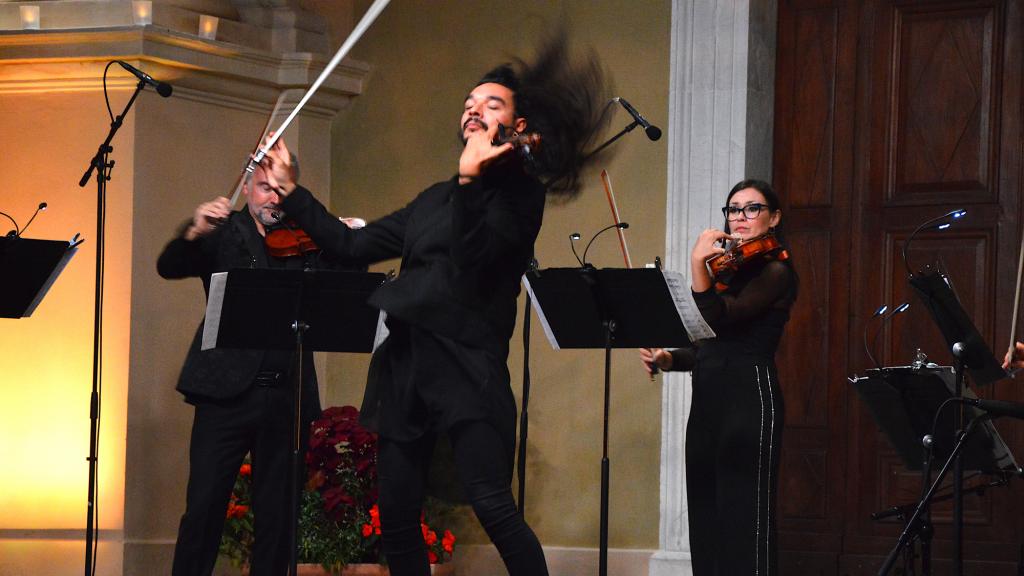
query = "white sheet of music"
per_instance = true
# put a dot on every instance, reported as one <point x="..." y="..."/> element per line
<point x="214" y="304"/>
<point x="696" y="327"/>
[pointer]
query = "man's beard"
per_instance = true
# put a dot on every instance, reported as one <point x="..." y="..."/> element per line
<point x="270" y="216"/>
<point x="462" y="133"/>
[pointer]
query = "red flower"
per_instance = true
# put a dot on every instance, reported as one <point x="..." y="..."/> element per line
<point x="431" y="557"/>
<point x="367" y="530"/>
<point x="236" y="510"/>
<point x="245" y="469"/>
<point x="448" y="541"/>
<point x="429" y="536"/>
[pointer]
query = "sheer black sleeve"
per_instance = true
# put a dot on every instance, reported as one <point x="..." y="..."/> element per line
<point x="683" y="359"/>
<point x="771" y="287"/>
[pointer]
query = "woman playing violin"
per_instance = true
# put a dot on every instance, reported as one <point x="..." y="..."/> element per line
<point x="736" y="419"/>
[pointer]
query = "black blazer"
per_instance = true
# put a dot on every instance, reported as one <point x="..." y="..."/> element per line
<point x="224" y="373"/>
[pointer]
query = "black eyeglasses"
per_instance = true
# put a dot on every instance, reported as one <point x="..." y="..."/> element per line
<point x="750" y="211"/>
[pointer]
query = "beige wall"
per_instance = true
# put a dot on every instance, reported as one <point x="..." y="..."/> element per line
<point x="400" y="136"/>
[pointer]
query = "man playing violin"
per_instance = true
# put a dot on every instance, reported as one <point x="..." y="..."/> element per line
<point x="734" y="432"/>
<point x="464" y="243"/>
<point x="243" y="399"/>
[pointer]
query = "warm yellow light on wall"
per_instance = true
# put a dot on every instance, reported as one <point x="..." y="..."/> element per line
<point x="46" y="359"/>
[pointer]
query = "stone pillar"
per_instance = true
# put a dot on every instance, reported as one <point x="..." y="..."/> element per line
<point x="722" y="68"/>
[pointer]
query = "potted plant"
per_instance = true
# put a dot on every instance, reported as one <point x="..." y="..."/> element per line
<point x="339" y="521"/>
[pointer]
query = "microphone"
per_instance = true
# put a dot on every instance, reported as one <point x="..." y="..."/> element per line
<point x="652" y="131"/>
<point x="162" y="88"/>
<point x="997" y="407"/>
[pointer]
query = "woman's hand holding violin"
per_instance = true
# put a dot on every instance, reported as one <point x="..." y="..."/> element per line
<point x="708" y="245"/>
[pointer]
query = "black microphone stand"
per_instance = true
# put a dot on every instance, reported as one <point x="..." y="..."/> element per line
<point x="103" y="167"/>
<point x="609" y="141"/>
<point x="914" y="524"/>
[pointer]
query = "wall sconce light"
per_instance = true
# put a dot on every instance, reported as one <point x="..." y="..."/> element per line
<point x="29" y="17"/>
<point x="142" y="12"/>
<point x="208" y="27"/>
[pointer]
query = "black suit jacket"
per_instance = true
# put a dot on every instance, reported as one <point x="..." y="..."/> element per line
<point x="224" y="373"/>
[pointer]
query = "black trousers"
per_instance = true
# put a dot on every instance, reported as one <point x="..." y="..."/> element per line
<point x="258" y="421"/>
<point x="484" y="466"/>
<point x="732" y="459"/>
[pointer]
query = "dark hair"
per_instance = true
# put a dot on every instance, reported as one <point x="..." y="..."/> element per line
<point x="772" y="199"/>
<point x="565" y="101"/>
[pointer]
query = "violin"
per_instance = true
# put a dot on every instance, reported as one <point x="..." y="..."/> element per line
<point x="763" y="248"/>
<point x="288" y="240"/>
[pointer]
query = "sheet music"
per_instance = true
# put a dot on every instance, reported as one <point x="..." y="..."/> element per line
<point x="540" y="314"/>
<point x="696" y="327"/>
<point x="382" y="330"/>
<point x="72" y="249"/>
<point x="214" y="305"/>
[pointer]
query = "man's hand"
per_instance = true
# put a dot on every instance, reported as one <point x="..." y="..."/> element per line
<point x="1014" y="361"/>
<point x="479" y="153"/>
<point x="208" y="217"/>
<point x="278" y="166"/>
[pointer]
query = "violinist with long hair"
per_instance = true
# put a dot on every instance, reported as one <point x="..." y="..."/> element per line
<point x="465" y="243"/>
<point x="734" y="431"/>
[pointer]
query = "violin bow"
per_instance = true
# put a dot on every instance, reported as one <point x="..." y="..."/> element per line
<point x="1016" y="299"/>
<point x="607" y="181"/>
<point x="266" y="130"/>
<point x="375" y="9"/>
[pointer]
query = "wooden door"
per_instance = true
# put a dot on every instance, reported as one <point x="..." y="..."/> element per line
<point x="888" y="113"/>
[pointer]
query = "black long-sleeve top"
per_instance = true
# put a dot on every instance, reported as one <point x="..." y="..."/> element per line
<point x="464" y="249"/>
<point x="748" y="317"/>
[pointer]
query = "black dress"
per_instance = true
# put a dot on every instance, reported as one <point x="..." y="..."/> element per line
<point x="734" y="432"/>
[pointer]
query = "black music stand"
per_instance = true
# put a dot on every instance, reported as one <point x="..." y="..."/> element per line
<point x="971" y="355"/>
<point x="606" y="308"/>
<point x="904" y="402"/>
<point x="336" y="301"/>
<point x="30" y="267"/>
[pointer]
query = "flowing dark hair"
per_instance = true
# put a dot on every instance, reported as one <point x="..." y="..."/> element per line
<point x="565" y="101"/>
<point x="774" y="205"/>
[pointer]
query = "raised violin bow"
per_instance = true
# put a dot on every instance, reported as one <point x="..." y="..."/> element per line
<point x="375" y="9"/>
<point x="266" y="130"/>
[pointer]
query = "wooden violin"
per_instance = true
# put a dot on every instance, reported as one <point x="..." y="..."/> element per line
<point x="288" y="240"/>
<point x="765" y="247"/>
